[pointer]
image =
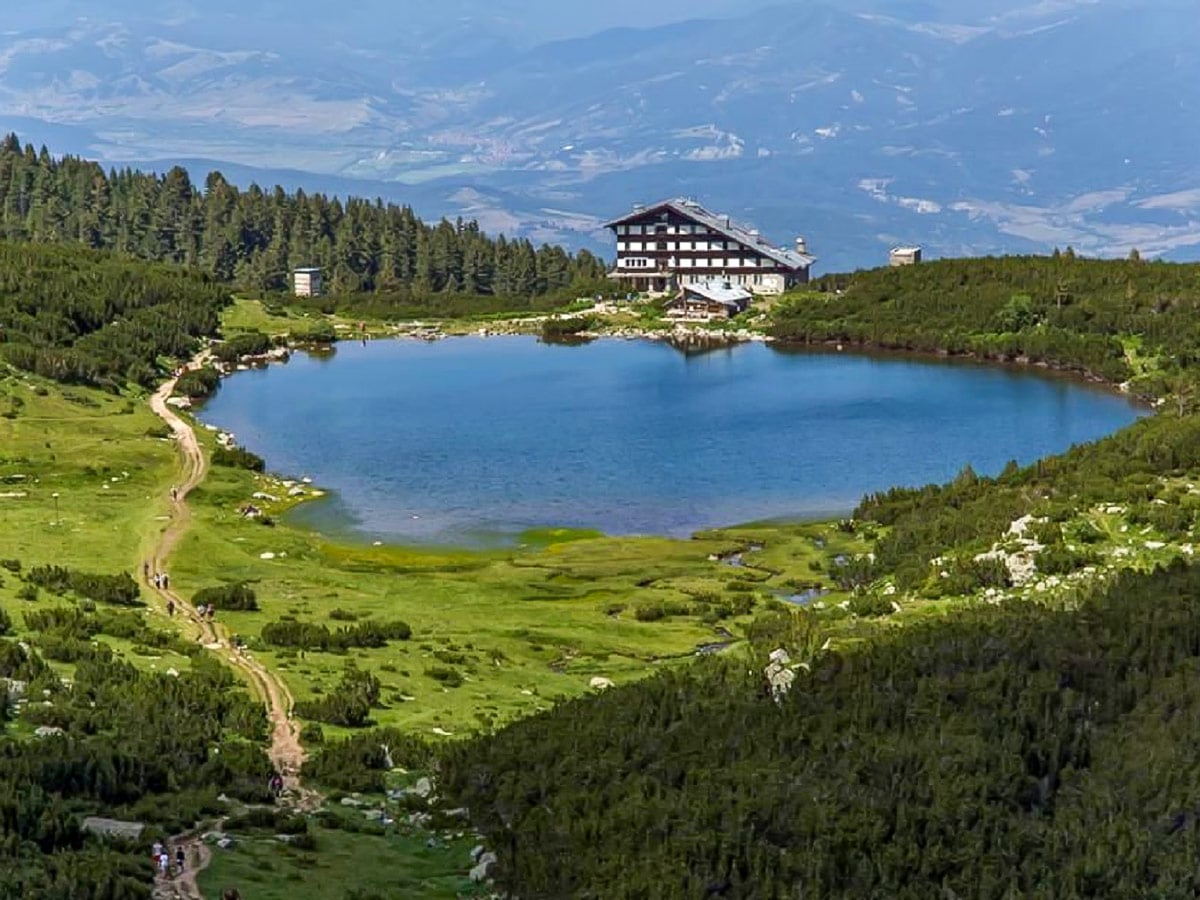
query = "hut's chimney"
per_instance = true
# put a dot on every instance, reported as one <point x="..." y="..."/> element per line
<point x="802" y="246"/>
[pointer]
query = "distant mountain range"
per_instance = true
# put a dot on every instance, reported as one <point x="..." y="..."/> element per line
<point x="1069" y="123"/>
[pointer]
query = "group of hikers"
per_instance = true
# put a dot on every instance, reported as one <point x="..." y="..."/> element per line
<point x="162" y="860"/>
<point x="160" y="580"/>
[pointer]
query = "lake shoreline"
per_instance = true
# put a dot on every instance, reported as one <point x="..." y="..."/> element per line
<point x="351" y="533"/>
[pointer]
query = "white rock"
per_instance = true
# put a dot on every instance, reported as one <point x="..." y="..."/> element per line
<point x="267" y="555"/>
<point x="423" y="787"/>
<point x="483" y="868"/>
<point x="601" y="684"/>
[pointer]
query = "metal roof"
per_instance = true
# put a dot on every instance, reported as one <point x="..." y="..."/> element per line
<point x="719" y="291"/>
<point x="723" y="225"/>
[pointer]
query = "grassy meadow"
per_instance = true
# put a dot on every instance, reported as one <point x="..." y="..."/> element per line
<point x="496" y="634"/>
<point x="343" y="864"/>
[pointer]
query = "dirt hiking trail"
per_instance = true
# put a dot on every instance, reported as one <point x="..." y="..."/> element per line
<point x="285" y="752"/>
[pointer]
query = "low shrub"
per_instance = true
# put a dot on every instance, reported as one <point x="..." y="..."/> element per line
<point x="237" y="597"/>
<point x="238" y="458"/>
<point x="448" y="676"/>
<point x="198" y="382"/>
<point x="121" y="589"/>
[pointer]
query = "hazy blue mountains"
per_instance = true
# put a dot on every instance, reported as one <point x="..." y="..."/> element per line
<point x="968" y="128"/>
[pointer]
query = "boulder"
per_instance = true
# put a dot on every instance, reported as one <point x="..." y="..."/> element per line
<point x="44" y="731"/>
<point x="483" y="869"/>
<point x="476" y="853"/>
<point x="226" y="843"/>
<point x="601" y="684"/>
<point x="423" y="788"/>
<point x="460" y="813"/>
<point x="373" y="815"/>
<point x="350" y="801"/>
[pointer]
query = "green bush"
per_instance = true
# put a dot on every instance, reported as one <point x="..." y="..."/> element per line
<point x="198" y="382"/>
<point x="447" y="675"/>
<point x="349" y="704"/>
<point x="237" y="597"/>
<point x="117" y="589"/>
<point x="238" y="458"/>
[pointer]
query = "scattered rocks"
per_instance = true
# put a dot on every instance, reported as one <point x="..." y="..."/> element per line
<point x="780" y="674"/>
<point x="45" y="731"/>
<point x="373" y="815"/>
<point x="420" y="820"/>
<point x="350" y="801"/>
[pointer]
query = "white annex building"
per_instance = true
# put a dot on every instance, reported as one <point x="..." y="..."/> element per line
<point x="306" y="282"/>
<point x="677" y="243"/>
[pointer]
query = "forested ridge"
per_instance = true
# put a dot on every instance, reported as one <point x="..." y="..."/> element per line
<point x="1061" y="310"/>
<point x="255" y="237"/>
<point x="1014" y="751"/>
<point x="87" y="316"/>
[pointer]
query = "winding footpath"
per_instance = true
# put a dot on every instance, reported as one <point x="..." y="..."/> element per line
<point x="286" y="753"/>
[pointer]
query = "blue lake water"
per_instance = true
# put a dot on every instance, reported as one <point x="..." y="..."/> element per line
<point x="472" y="440"/>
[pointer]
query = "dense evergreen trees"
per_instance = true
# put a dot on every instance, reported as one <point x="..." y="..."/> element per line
<point x="256" y="237"/>
<point x="1060" y="310"/>
<point x="154" y="748"/>
<point x="84" y="316"/>
<point x="1012" y="751"/>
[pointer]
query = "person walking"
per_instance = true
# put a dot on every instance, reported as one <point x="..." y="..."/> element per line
<point x="170" y="607"/>
<point x="180" y="859"/>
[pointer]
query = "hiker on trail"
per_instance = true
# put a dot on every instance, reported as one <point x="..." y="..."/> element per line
<point x="275" y="784"/>
<point x="230" y="894"/>
<point x="146" y="571"/>
<point x="170" y="607"/>
<point x="180" y="859"/>
<point x="164" y="863"/>
<point x="174" y="493"/>
<point x="208" y="613"/>
<point x="166" y="582"/>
